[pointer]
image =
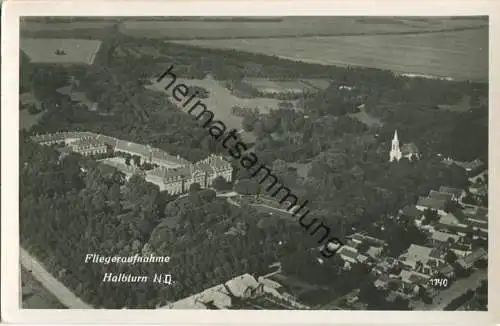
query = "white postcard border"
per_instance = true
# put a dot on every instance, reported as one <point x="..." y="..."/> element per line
<point x="11" y="12"/>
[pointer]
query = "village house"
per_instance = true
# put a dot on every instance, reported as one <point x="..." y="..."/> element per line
<point x="368" y="247"/>
<point x="451" y="220"/>
<point x="362" y="248"/>
<point x="385" y="281"/>
<point x="456" y="194"/>
<point x="444" y="239"/>
<point x="478" y="189"/>
<point x="468" y="261"/>
<point x="348" y="254"/>
<point x="385" y="265"/>
<point x="473" y="168"/>
<point x="242" y="290"/>
<point x="412" y="281"/>
<point x="433" y="194"/>
<point x="438" y="205"/>
<point x="481" y="177"/>
<point x="422" y="259"/>
<point x="447" y="271"/>
<point x="411" y="213"/>
<point x="477" y="214"/>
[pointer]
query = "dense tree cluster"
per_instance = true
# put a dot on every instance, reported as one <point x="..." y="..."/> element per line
<point x="71" y="206"/>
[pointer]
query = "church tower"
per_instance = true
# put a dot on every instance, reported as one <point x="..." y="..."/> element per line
<point x="395" y="153"/>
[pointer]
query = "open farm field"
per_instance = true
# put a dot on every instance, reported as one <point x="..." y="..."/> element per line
<point x="36" y="296"/>
<point x="74" y="51"/>
<point x="459" y="54"/>
<point x="221" y="101"/>
<point x="291" y="27"/>
<point x="366" y="118"/>
<point x="31" y="26"/>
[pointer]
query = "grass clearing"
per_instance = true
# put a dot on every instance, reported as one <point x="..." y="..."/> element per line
<point x="27" y="120"/>
<point x="221" y="101"/>
<point x="366" y="118"/>
<point x="462" y="106"/>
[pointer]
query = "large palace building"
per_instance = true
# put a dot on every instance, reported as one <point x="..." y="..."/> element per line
<point x="171" y="173"/>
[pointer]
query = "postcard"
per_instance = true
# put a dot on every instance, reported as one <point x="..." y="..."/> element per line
<point x="236" y="162"/>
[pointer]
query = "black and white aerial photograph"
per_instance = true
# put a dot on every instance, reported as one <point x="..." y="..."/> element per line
<point x="254" y="162"/>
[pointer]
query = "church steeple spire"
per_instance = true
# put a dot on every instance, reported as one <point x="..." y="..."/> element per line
<point x="395" y="153"/>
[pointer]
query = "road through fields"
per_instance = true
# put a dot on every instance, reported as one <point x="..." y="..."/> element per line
<point x="59" y="290"/>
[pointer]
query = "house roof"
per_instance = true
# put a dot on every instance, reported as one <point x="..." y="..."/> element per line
<point x="406" y="276"/>
<point x="216" y="294"/>
<point x="137" y="149"/>
<point x="382" y="280"/>
<point x="357" y="237"/>
<point x="65" y="90"/>
<point x="446" y="269"/>
<point x="167" y="158"/>
<point x="87" y="142"/>
<point x="48" y="137"/>
<point x="443" y="236"/>
<point x="351" y="243"/>
<point x="479" y="189"/>
<point x="240" y="284"/>
<point x="177" y="173"/>
<point x="219" y="163"/>
<point x="374" y="251"/>
<point x="348" y="252"/>
<point x="204" y="167"/>
<point x="472" y="165"/>
<point x="473" y="257"/>
<point x="432" y="203"/>
<point x="219" y="297"/>
<point x="409" y="148"/>
<point x="411" y="211"/>
<point x="440" y="195"/>
<point x="417" y="279"/>
<point x="111" y="141"/>
<point x="481" y="225"/>
<point x="481" y="214"/>
<point x="449" y="219"/>
<point x="418" y="253"/>
<point x="454" y="191"/>
<point x="362" y="258"/>
<point x="436" y="253"/>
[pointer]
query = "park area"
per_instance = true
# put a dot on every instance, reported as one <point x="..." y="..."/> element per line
<point x="221" y="101"/>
